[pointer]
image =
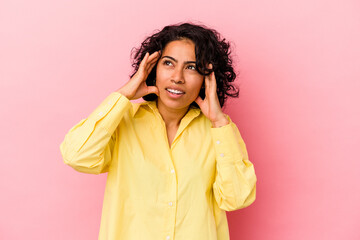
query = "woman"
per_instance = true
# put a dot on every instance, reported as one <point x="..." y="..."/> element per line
<point x="175" y="162"/>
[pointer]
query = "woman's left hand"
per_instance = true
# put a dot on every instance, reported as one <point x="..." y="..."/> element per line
<point x="210" y="106"/>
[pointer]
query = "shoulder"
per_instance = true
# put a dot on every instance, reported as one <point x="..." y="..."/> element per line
<point x="140" y="108"/>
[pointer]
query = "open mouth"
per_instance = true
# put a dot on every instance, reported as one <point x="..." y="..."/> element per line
<point x="174" y="91"/>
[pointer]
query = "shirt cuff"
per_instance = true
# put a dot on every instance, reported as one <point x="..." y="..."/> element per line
<point x="226" y="141"/>
<point x="110" y="112"/>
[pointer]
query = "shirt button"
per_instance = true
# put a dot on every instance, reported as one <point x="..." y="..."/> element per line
<point x="172" y="171"/>
<point x="170" y="203"/>
<point x="217" y="142"/>
<point x="167" y="237"/>
<point x="221" y="154"/>
<point x="109" y="102"/>
<point x="100" y="113"/>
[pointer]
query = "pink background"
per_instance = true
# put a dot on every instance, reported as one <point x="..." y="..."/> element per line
<point x="298" y="111"/>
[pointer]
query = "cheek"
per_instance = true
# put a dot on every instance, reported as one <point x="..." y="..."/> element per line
<point x="161" y="74"/>
<point x="198" y="83"/>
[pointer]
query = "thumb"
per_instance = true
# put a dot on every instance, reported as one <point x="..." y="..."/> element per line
<point x="153" y="89"/>
<point x="199" y="101"/>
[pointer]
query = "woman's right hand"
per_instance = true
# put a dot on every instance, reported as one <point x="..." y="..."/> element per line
<point x="136" y="87"/>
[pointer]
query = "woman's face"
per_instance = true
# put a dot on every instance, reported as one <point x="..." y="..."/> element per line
<point x="178" y="81"/>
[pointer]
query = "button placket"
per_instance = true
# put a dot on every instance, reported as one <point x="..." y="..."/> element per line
<point x="171" y="203"/>
<point x="171" y="198"/>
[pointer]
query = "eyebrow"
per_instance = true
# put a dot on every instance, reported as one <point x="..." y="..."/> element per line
<point x="177" y="60"/>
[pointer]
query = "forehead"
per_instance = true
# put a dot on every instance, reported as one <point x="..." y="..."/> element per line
<point x="182" y="49"/>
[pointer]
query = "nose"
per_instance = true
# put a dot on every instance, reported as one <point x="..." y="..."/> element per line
<point x="177" y="76"/>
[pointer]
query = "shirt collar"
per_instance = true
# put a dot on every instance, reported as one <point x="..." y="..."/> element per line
<point x="192" y="113"/>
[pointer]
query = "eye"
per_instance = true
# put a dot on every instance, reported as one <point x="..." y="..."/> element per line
<point x="168" y="63"/>
<point x="192" y="67"/>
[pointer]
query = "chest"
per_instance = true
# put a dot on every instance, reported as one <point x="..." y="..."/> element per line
<point x="171" y="133"/>
<point x="145" y="148"/>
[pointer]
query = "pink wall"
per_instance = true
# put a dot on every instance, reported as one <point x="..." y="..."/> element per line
<point x="298" y="109"/>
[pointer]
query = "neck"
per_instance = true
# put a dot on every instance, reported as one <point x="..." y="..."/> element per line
<point x="171" y="117"/>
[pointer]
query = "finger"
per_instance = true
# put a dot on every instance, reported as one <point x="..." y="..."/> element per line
<point x="210" y="66"/>
<point x="213" y="80"/>
<point x="199" y="101"/>
<point x="152" y="62"/>
<point x="150" y="66"/>
<point x="211" y="84"/>
<point x="143" y="61"/>
<point x="153" y="57"/>
<point x="146" y="56"/>
<point x="144" y="65"/>
<point x="207" y="85"/>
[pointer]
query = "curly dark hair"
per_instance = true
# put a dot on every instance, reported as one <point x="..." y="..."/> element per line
<point x="210" y="47"/>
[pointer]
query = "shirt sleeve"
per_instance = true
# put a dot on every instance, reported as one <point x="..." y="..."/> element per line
<point x="88" y="145"/>
<point x="235" y="180"/>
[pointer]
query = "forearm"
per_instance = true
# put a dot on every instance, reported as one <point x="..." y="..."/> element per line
<point x="235" y="181"/>
<point x="87" y="147"/>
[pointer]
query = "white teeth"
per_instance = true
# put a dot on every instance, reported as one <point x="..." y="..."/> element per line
<point x="174" y="91"/>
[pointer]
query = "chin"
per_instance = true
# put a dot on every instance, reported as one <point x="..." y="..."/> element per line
<point x="174" y="104"/>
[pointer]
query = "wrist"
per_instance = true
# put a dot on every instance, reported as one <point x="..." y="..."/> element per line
<point x="124" y="93"/>
<point x="222" y="121"/>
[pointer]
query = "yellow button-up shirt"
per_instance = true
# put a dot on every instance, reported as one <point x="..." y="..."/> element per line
<point x="154" y="191"/>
